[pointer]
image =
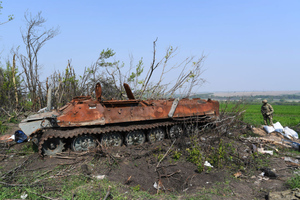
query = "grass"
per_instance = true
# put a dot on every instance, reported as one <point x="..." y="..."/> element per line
<point x="294" y="182"/>
<point x="287" y="115"/>
<point x="3" y="128"/>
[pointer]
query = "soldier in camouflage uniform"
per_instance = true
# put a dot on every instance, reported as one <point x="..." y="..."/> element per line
<point x="267" y="112"/>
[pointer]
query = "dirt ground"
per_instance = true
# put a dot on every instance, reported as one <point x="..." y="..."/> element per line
<point x="153" y="168"/>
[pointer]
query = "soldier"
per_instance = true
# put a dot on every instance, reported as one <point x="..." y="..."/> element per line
<point x="267" y="112"/>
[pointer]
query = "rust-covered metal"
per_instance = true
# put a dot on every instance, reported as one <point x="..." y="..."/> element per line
<point x="131" y="120"/>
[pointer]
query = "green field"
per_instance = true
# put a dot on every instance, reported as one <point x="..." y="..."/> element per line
<point x="287" y="115"/>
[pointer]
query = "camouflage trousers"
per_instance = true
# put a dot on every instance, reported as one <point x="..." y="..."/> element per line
<point x="268" y="118"/>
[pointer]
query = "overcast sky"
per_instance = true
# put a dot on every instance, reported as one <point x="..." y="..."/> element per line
<point x="251" y="45"/>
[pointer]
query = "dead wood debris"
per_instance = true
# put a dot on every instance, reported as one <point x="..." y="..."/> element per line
<point x="108" y="193"/>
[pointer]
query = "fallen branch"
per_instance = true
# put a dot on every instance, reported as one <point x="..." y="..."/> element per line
<point x="15" y="169"/>
<point x="45" y="196"/>
<point x="19" y="185"/>
<point x="64" y="157"/>
<point x="168" y="175"/>
<point x="6" y="112"/>
<point x="128" y="180"/>
<point x="165" y="154"/>
<point x="108" y="193"/>
<point x="14" y="185"/>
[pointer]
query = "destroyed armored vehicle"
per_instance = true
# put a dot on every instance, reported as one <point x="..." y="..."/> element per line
<point x="85" y="122"/>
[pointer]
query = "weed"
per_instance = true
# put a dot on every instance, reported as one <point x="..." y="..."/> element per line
<point x="159" y="157"/>
<point x="177" y="154"/>
<point x="294" y="182"/>
<point x="136" y="188"/>
<point x="195" y="156"/>
<point x="3" y="128"/>
<point x="29" y="148"/>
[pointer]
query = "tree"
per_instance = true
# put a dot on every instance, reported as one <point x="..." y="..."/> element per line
<point x="9" y="82"/>
<point x="10" y="17"/>
<point x="34" y="37"/>
<point x="188" y="77"/>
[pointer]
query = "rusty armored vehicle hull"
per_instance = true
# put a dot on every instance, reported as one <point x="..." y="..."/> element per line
<point x="85" y="122"/>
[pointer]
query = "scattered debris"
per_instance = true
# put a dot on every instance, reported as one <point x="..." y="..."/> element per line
<point x="156" y="186"/>
<point x="261" y="150"/>
<point x="100" y="177"/>
<point x="278" y="127"/>
<point x="287" y="194"/>
<point x="295" y="145"/>
<point x="286" y="131"/>
<point x="24" y="195"/>
<point x="291" y="160"/>
<point x="207" y="164"/>
<point x="238" y="174"/>
<point x="7" y="138"/>
<point x="290" y="133"/>
<point x="269" y="129"/>
<point x="269" y="173"/>
<point x="20" y="136"/>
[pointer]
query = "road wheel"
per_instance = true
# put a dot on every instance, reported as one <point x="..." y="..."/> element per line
<point x="84" y="143"/>
<point x="175" y="131"/>
<point x="135" y="138"/>
<point x="111" y="139"/>
<point x="53" y="146"/>
<point x="156" y="134"/>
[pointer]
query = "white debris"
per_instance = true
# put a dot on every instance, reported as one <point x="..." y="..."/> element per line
<point x="207" y="164"/>
<point x="261" y="150"/>
<point x="156" y="186"/>
<point x="100" y="177"/>
<point x="42" y="110"/>
<point x="286" y="131"/>
<point x="290" y="133"/>
<point x="278" y="127"/>
<point x="12" y="137"/>
<point x="24" y="195"/>
<point x="291" y="160"/>
<point x="269" y="129"/>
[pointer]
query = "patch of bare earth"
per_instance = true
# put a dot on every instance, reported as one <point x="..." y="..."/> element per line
<point x="154" y="169"/>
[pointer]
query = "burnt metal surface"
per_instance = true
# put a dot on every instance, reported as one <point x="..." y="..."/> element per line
<point x="86" y="116"/>
<point x="91" y="112"/>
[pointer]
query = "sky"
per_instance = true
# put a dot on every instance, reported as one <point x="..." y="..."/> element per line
<point x="250" y="45"/>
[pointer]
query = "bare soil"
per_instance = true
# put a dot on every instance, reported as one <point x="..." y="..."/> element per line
<point x="140" y="166"/>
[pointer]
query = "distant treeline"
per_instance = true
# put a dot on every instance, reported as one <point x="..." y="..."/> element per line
<point x="293" y="99"/>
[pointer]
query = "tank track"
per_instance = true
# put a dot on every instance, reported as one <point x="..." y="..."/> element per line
<point x="75" y="132"/>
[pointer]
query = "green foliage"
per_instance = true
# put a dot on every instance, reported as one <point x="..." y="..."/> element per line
<point x="195" y="156"/>
<point x="221" y="155"/>
<point x="218" y="156"/>
<point x="287" y="115"/>
<point x="260" y="160"/>
<point x="294" y="182"/>
<point x="177" y="154"/>
<point x="3" y="128"/>
<point x="136" y="188"/>
<point x="28" y="148"/>
<point x="138" y="71"/>
<point x="7" y="89"/>
<point x="104" y="55"/>
<point x="10" y="17"/>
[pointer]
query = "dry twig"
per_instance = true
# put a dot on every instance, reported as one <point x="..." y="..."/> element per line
<point x="165" y="154"/>
<point x="108" y="193"/>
